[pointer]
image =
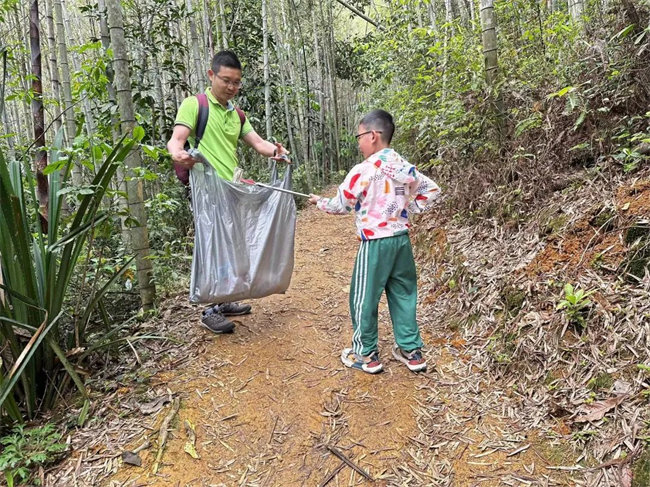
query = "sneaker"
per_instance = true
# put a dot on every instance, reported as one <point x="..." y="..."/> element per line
<point x="217" y="323"/>
<point x="413" y="359"/>
<point x="369" y="364"/>
<point x="233" y="309"/>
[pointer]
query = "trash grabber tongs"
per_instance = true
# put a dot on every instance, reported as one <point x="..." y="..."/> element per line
<point x="282" y="190"/>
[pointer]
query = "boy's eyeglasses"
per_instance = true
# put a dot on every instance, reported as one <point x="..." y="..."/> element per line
<point x="234" y="84"/>
<point x="364" y="133"/>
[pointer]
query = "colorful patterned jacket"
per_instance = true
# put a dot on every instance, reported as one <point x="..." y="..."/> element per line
<point x="382" y="190"/>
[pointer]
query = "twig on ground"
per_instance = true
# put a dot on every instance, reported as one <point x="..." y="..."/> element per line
<point x="327" y="479"/>
<point x="162" y="436"/>
<point x="349" y="462"/>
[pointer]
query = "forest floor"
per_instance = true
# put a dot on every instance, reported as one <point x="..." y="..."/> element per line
<point x="272" y="404"/>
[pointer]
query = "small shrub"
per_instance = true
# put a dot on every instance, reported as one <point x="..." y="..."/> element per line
<point x="26" y="449"/>
<point x="575" y="305"/>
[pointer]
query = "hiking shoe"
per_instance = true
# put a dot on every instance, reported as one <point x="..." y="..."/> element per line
<point x="233" y="309"/>
<point x="413" y="359"/>
<point x="217" y="323"/>
<point x="369" y="364"/>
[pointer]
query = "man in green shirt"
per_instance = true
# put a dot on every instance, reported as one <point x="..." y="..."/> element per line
<point x="223" y="130"/>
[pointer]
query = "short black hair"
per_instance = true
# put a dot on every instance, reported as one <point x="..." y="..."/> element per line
<point x="381" y="121"/>
<point x="227" y="59"/>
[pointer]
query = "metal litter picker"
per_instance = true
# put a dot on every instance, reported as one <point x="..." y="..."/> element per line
<point x="282" y="190"/>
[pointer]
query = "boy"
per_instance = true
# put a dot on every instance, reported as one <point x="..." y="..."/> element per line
<point x="382" y="190"/>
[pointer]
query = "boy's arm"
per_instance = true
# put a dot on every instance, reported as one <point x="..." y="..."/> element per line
<point x="425" y="192"/>
<point x="346" y="197"/>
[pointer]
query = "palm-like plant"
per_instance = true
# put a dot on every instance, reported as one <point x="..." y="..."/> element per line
<point x="36" y="270"/>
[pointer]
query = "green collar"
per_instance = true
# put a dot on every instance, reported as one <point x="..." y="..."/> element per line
<point x="213" y="100"/>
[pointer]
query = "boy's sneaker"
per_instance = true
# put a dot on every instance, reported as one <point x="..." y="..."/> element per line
<point x="413" y="359"/>
<point x="217" y="323"/>
<point x="232" y="309"/>
<point x="369" y="364"/>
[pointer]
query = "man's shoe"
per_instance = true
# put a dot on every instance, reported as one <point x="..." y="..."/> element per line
<point x="217" y="323"/>
<point x="369" y="364"/>
<point x="413" y="359"/>
<point x="233" y="309"/>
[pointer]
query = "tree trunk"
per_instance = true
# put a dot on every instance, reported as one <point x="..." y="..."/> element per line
<point x="302" y="59"/>
<point x="333" y="89"/>
<point x="267" y="75"/>
<point x="139" y="237"/>
<point x="24" y="67"/>
<point x="68" y="108"/>
<point x="40" y="158"/>
<point x="224" y="30"/>
<point x="208" y="30"/>
<point x="294" y="80"/>
<point x="8" y="128"/>
<point x="433" y="21"/>
<point x="196" y="82"/>
<point x="54" y="67"/>
<point x="576" y="9"/>
<point x="488" y="24"/>
<point x="321" y="89"/>
<point x="285" y="98"/>
<point x="110" y="86"/>
<point x="85" y="101"/>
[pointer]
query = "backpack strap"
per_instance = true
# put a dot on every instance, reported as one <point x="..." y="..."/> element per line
<point x="201" y="119"/>
<point x="242" y="118"/>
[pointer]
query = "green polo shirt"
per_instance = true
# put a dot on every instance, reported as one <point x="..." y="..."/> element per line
<point x="223" y="130"/>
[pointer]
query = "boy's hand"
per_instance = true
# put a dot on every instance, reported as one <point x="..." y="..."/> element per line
<point x="313" y="198"/>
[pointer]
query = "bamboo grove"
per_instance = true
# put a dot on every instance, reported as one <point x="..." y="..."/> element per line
<point x="90" y="89"/>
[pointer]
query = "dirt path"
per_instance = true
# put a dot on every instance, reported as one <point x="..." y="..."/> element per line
<point x="269" y="399"/>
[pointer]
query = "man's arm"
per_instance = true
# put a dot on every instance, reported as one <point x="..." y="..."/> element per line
<point x="264" y="147"/>
<point x="176" y="146"/>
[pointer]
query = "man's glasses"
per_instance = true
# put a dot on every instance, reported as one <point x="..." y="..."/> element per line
<point x="234" y="84"/>
<point x="364" y="133"/>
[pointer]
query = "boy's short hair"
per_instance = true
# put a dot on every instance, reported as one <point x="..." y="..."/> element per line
<point x="227" y="59"/>
<point x="381" y="121"/>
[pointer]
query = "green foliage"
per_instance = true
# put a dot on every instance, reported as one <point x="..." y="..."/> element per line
<point x="641" y="476"/>
<point x="38" y="266"/>
<point x="24" y="450"/>
<point x="600" y="382"/>
<point x="575" y="304"/>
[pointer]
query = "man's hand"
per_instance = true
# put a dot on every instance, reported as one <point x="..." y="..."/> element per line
<point x="314" y="198"/>
<point x="176" y="147"/>
<point x="281" y="154"/>
<point x="182" y="158"/>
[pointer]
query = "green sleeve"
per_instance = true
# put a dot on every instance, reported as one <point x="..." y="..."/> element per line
<point x="188" y="113"/>
<point x="246" y="129"/>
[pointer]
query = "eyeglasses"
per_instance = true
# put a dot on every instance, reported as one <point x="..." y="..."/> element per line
<point x="234" y="84"/>
<point x="364" y="133"/>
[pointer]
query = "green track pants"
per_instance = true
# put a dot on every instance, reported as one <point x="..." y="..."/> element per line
<point x="384" y="264"/>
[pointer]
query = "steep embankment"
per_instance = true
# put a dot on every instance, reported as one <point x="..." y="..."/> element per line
<point x="578" y="374"/>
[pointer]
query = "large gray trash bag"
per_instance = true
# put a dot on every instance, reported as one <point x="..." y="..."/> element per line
<point x="244" y="238"/>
